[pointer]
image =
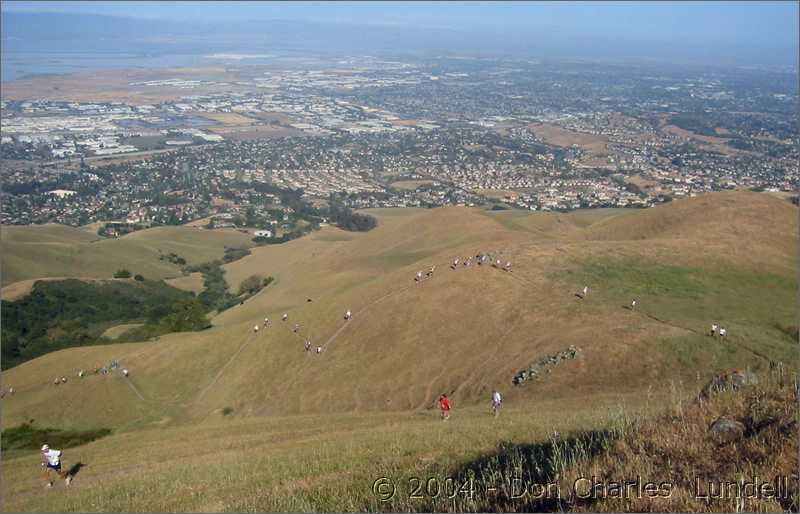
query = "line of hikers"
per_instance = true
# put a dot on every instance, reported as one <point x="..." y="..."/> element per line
<point x="104" y="370"/>
<point x="444" y="404"/>
<point x="718" y="329"/>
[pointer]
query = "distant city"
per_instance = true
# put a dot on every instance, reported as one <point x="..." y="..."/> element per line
<point x="503" y="134"/>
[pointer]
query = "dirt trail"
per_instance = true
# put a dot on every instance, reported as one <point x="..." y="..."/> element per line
<point x="202" y="393"/>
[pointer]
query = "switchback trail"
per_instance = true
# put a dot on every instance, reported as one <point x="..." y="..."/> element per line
<point x="222" y="369"/>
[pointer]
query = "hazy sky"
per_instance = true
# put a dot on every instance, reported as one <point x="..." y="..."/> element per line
<point x="751" y="26"/>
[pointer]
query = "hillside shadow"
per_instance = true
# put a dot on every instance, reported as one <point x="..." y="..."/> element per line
<point x="523" y="477"/>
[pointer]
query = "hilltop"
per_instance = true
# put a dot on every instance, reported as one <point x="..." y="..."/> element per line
<point x="726" y="257"/>
<point x="39" y="251"/>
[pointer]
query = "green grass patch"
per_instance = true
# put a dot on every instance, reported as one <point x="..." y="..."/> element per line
<point x="722" y="293"/>
<point x="758" y="309"/>
<point x="28" y="437"/>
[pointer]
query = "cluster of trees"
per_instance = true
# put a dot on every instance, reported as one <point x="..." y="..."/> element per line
<point x="286" y="236"/>
<point x="253" y="284"/>
<point x="174" y="258"/>
<point x="216" y="295"/>
<point x="344" y="217"/>
<point x="66" y="313"/>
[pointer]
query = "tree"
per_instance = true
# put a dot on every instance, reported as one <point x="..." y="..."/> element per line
<point x="187" y="315"/>
<point x="251" y="284"/>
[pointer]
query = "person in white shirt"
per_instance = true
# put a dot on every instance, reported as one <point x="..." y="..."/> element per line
<point x="713" y="329"/>
<point x="633" y="305"/>
<point x="419" y="276"/>
<point x="348" y="315"/>
<point x="319" y="349"/>
<point x="585" y="291"/>
<point x="51" y="459"/>
<point x="255" y="329"/>
<point x="722" y="332"/>
<point x="497" y="401"/>
<point x="125" y="372"/>
<point x="266" y="322"/>
<point x="285" y="317"/>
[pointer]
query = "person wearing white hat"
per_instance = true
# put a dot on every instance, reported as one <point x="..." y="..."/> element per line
<point x="51" y="459"/>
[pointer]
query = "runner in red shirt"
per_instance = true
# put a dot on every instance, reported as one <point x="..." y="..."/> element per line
<point x="444" y="405"/>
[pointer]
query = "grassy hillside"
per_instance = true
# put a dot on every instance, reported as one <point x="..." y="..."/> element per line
<point x="37" y="251"/>
<point x="211" y="398"/>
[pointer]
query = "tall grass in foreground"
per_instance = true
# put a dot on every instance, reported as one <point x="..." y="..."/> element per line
<point x="547" y="460"/>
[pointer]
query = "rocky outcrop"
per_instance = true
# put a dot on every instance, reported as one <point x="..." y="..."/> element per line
<point x="730" y="381"/>
<point x="726" y="430"/>
<point x="544" y="365"/>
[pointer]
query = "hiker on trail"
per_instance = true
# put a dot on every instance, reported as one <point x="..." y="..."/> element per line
<point x="444" y="406"/>
<point x="308" y="346"/>
<point x="633" y="305"/>
<point x="497" y="263"/>
<point x="585" y="291"/>
<point x="507" y="267"/>
<point x="57" y="381"/>
<point x="80" y="374"/>
<point x="419" y="276"/>
<point x="63" y="380"/>
<point x="723" y="332"/>
<point x="285" y="316"/>
<point x="296" y="327"/>
<point x="125" y="372"/>
<point x="497" y="402"/>
<point x="455" y="264"/>
<point x="266" y="322"/>
<point x="51" y="459"/>
<point x="348" y="315"/>
<point x="11" y="391"/>
<point x="255" y="329"/>
<point x="713" y="329"/>
<point x="319" y="349"/>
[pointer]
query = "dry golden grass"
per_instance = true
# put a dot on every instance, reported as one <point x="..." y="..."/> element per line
<point x="114" y="86"/>
<point x="39" y="251"/>
<point x="309" y="432"/>
<point x="192" y="282"/>
<point x="410" y="184"/>
<point x="558" y="136"/>
<point x="116" y="331"/>
<point x="228" y="118"/>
